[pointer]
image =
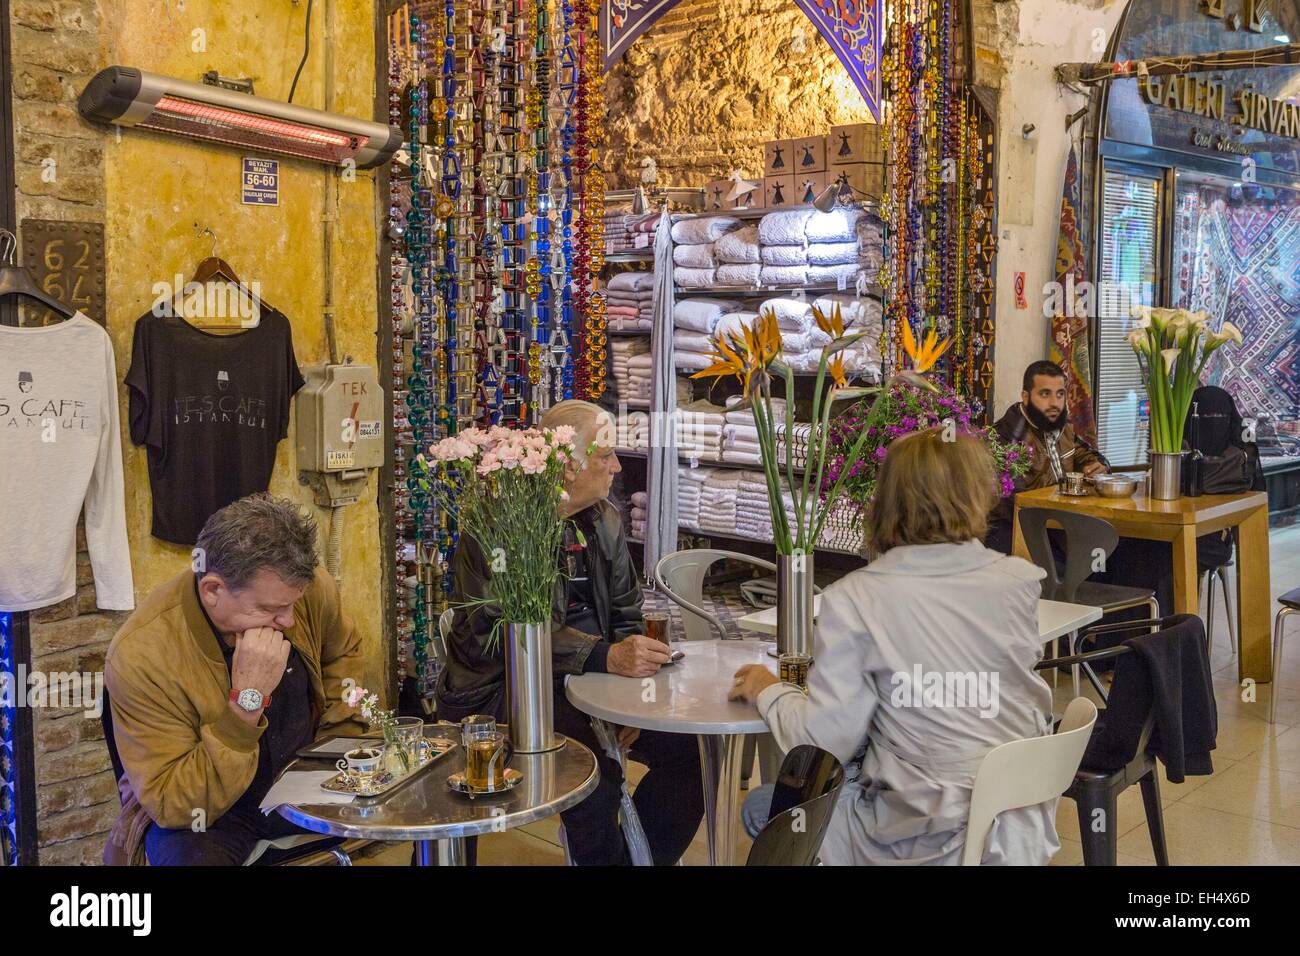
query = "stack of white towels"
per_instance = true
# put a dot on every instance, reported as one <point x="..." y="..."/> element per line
<point x="753" y="511"/>
<point x="738" y="258"/>
<point x="699" y="430"/>
<point x="838" y="531"/>
<point x="622" y="352"/>
<point x="690" y="486"/>
<point x="718" y="501"/>
<point x="694" y="323"/>
<point x="740" y="436"/>
<point x="634" y="431"/>
<point x="802" y="342"/>
<point x="638" y="514"/>
<point x="630" y="301"/>
<point x="806" y="247"/>
<point x="694" y="264"/>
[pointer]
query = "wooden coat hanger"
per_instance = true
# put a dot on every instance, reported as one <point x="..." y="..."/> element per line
<point x="214" y="268"/>
<point x="17" y="281"/>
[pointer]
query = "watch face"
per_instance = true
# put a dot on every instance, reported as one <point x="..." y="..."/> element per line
<point x="249" y="699"/>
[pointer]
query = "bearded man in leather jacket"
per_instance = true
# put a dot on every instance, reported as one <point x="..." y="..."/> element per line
<point x="596" y="626"/>
<point x="1041" y="420"/>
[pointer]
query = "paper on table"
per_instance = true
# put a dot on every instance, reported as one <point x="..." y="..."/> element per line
<point x="302" y="787"/>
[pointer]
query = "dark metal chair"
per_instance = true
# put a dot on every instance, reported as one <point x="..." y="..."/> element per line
<point x="1117" y="755"/>
<point x="802" y="803"/>
<point x="1290" y="605"/>
<point x="1087" y="539"/>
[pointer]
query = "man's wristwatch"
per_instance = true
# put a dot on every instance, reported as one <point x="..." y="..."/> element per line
<point x="250" y="699"/>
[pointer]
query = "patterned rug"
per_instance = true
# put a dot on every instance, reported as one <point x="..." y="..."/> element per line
<point x="1240" y="262"/>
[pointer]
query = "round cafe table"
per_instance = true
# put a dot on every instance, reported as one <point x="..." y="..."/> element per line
<point x="426" y="811"/>
<point x="689" y="697"/>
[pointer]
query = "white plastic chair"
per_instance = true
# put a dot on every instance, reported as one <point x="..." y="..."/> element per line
<point x="1023" y="773"/>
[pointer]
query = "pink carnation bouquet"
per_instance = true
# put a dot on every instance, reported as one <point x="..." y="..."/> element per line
<point x="504" y="487"/>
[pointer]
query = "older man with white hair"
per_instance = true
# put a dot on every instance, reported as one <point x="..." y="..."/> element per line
<point x="596" y="627"/>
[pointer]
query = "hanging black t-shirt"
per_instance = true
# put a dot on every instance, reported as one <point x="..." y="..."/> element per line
<point x="211" y="409"/>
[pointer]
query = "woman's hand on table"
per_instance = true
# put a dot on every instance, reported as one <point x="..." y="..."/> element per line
<point x="627" y="736"/>
<point x="637" y="656"/>
<point x="751" y="680"/>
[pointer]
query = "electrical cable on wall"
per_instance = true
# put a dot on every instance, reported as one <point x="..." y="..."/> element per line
<point x="306" y="50"/>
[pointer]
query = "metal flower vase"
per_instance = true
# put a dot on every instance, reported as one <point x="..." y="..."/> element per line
<point x="794" y="603"/>
<point x="530" y="691"/>
<point x="1166" y="473"/>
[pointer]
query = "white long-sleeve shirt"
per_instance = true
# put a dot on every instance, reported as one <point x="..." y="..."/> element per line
<point x="60" y="449"/>
<point x="922" y="663"/>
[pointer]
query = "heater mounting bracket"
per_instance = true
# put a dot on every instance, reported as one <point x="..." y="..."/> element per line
<point x="213" y="78"/>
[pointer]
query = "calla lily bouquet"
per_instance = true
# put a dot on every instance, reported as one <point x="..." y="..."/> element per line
<point x="504" y="486"/>
<point x="753" y="357"/>
<point x="1172" y="347"/>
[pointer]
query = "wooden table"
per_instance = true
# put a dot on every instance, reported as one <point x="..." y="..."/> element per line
<point x="1180" y="522"/>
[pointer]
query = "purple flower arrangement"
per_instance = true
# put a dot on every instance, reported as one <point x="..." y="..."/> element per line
<point x="907" y="409"/>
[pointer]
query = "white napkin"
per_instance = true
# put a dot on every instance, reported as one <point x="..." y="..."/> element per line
<point x="302" y="788"/>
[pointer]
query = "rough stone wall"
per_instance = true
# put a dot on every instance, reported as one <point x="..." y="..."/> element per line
<point x="714" y="80"/>
<point x="55" y="51"/>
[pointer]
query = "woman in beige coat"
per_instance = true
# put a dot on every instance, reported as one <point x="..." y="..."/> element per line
<point x="923" y="662"/>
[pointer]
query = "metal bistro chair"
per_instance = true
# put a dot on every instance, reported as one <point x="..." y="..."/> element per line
<point x="802" y="803"/>
<point x="1085" y="535"/>
<point x="680" y="576"/>
<point x="1024" y="773"/>
<point x="1290" y="605"/>
<point x="1117" y="755"/>
<point x="299" y="849"/>
<point x="1220" y="573"/>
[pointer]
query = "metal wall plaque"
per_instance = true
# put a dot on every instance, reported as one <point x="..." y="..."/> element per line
<point x="67" y="261"/>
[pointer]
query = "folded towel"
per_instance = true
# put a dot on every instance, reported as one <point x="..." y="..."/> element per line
<point x="694" y="278"/>
<point x="694" y="257"/>
<point x="703" y="411"/>
<point x="742" y="275"/>
<point x="692" y="341"/>
<point x="740" y="246"/>
<point x="632" y="281"/>
<point x="701" y="315"/>
<point x="871" y="233"/>
<point x="634" y="301"/>
<point x="723" y="479"/>
<point x="822" y="275"/>
<point x="803" y="341"/>
<point x="792" y="315"/>
<point x="641" y="360"/>
<point x="839" y="225"/>
<point x="703" y="230"/>
<point x="833" y="253"/>
<point x="737" y="433"/>
<point x="785" y="227"/>
<point x="854" y="311"/>
<point x="695" y="361"/>
<point x="784" y="275"/>
<point x="784" y="256"/>
<point x="732" y="325"/>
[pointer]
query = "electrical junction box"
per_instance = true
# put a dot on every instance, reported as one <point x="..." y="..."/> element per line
<point x="340" y="420"/>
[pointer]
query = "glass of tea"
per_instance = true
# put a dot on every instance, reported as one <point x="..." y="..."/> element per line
<point x="487" y="751"/>
<point x="794" y="670"/>
<point x="659" y="626"/>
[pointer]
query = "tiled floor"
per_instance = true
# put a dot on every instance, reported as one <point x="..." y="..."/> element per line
<point x="1247" y="812"/>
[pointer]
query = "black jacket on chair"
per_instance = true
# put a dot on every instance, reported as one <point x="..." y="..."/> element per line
<point x="1167" y="674"/>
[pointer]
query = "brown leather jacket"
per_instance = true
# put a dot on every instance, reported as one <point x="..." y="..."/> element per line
<point x="1076" y="455"/>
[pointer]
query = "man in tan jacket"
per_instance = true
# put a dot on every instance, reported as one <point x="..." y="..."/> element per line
<point x="219" y="677"/>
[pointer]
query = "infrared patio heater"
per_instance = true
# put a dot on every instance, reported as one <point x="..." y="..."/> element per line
<point x="125" y="96"/>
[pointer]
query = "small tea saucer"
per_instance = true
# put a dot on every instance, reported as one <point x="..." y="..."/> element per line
<point x="457" y="783"/>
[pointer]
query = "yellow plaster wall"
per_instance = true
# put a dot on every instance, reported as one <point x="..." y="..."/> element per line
<point x="159" y="187"/>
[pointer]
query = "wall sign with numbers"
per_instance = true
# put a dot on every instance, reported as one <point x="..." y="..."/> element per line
<point x="67" y="261"/>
